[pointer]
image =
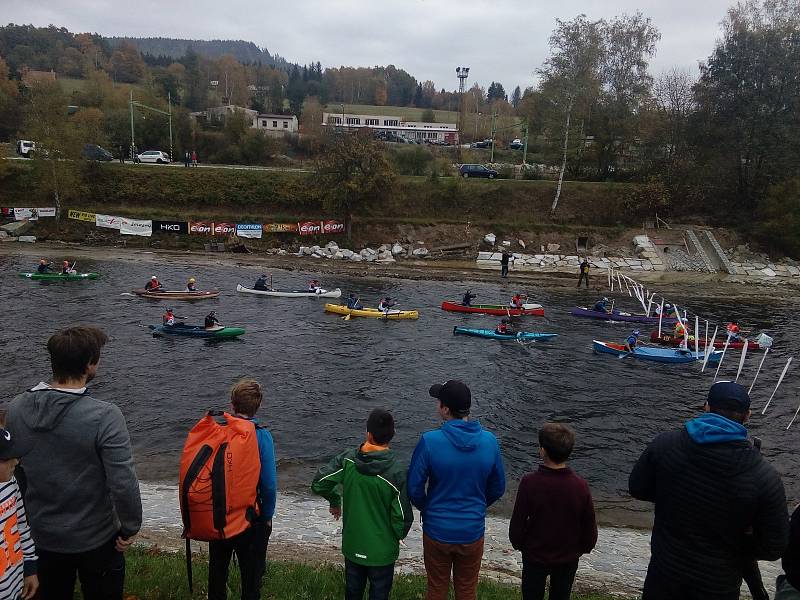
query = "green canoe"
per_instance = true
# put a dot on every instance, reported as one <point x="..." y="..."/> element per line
<point x="59" y="276"/>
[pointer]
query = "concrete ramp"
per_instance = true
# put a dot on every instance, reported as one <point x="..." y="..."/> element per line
<point x="719" y="253"/>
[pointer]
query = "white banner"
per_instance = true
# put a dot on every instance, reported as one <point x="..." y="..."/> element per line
<point x="47" y="212"/>
<point x="136" y="227"/>
<point x="247" y="230"/>
<point x="108" y="221"/>
<point x="26" y="214"/>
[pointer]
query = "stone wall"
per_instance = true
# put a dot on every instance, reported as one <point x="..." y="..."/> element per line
<point x="564" y="262"/>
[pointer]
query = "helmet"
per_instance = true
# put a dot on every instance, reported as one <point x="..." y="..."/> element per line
<point x="191" y="280"/>
<point x="636" y="332"/>
<point x="263" y="275"/>
<point x="169" y="310"/>
<point x="154" y="278"/>
<point x="668" y="305"/>
<point x="213" y="312"/>
<point x="605" y="299"/>
<point x="66" y="263"/>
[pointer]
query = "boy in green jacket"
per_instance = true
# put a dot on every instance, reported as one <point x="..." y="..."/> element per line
<point x="377" y="512"/>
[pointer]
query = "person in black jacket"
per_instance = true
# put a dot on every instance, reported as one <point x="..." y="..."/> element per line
<point x="787" y="587"/>
<point x="718" y="503"/>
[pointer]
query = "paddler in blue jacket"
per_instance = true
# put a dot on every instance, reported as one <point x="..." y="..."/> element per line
<point x="261" y="284"/>
<point x="44" y="267"/>
<point x="632" y="341"/>
<point x="600" y="305"/>
<point x="354" y="302"/>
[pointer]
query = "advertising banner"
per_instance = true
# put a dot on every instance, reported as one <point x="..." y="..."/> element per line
<point x="136" y="227"/>
<point x="310" y="228"/>
<point x="108" y="221"/>
<point x="280" y="227"/>
<point x="47" y="211"/>
<point x="249" y="230"/>
<point x="201" y="228"/>
<point x="181" y="227"/>
<point x="26" y="214"/>
<point x="224" y="228"/>
<point x="7" y="212"/>
<point x="331" y="227"/>
<point x="80" y="215"/>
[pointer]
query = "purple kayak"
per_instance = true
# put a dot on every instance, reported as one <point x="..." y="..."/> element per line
<point x="619" y="316"/>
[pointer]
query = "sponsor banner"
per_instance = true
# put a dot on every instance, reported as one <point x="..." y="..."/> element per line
<point x="181" y="227"/>
<point x="136" y="227"/>
<point x="280" y="227"/>
<point x="224" y="228"/>
<point x="249" y="230"/>
<point x="47" y="211"/>
<point x="310" y="228"/>
<point x="330" y="227"/>
<point x="26" y="214"/>
<point x="80" y="215"/>
<point x="108" y="221"/>
<point x="201" y="228"/>
<point x="7" y="212"/>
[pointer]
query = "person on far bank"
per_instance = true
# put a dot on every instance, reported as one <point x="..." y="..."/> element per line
<point x="718" y="504"/>
<point x="194" y="158"/>
<point x="456" y="473"/>
<point x="250" y="546"/>
<point x="82" y="494"/>
<point x="584" y="273"/>
<point x="504" y="260"/>
<point x="553" y="522"/>
<point x="368" y="485"/>
<point x="187" y="158"/>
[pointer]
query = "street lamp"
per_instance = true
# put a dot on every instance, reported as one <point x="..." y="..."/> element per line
<point x="342" y="105"/>
<point x="462" y="73"/>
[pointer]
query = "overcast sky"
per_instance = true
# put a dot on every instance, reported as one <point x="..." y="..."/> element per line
<point x="502" y="40"/>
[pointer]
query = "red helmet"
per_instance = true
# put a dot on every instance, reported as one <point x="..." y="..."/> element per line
<point x="66" y="263"/>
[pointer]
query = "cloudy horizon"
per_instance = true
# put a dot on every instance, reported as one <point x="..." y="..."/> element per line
<point x="503" y="40"/>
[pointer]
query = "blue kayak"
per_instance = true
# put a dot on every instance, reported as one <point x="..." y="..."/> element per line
<point x="662" y="355"/>
<point x="492" y="334"/>
<point x="198" y="331"/>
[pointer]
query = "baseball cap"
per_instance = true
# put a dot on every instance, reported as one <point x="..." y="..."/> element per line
<point x="730" y="396"/>
<point x="12" y="446"/>
<point x="454" y="394"/>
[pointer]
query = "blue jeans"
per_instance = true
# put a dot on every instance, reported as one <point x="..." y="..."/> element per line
<point x="356" y="576"/>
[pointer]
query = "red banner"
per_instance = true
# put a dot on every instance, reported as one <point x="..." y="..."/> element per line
<point x="332" y="227"/>
<point x="280" y="227"/>
<point x="310" y="228"/>
<point x="224" y="228"/>
<point x="201" y="228"/>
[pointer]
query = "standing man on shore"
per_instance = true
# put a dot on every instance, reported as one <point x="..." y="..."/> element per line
<point x="456" y="473"/>
<point x="718" y="504"/>
<point x="504" y="259"/>
<point x="82" y="493"/>
<point x="584" y="273"/>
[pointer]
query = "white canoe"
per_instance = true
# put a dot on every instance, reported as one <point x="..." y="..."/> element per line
<point x="337" y="293"/>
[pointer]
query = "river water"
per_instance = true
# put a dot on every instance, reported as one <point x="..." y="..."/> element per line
<point x="323" y="375"/>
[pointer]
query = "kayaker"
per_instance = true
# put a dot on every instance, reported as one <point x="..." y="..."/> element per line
<point x="467" y="299"/>
<point x="313" y="286"/>
<point x="733" y="330"/>
<point x="154" y="285"/>
<point x="680" y="330"/>
<point x="516" y="301"/>
<point x="601" y="305"/>
<point x="505" y="327"/>
<point x="169" y="318"/>
<point x="211" y="321"/>
<point x="386" y="304"/>
<point x="66" y="269"/>
<point x="354" y="302"/>
<point x="632" y="341"/>
<point x="44" y="267"/>
<point x="191" y="285"/>
<point x="261" y="284"/>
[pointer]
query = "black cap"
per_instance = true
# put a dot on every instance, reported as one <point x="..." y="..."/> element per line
<point x="13" y="446"/>
<point x="729" y="396"/>
<point x="454" y="394"/>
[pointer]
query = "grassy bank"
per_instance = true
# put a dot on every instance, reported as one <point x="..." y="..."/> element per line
<point x="162" y="576"/>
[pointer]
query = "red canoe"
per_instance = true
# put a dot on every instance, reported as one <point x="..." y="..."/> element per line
<point x="719" y="343"/>
<point x="495" y="309"/>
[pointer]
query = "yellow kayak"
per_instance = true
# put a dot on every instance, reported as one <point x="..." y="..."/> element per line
<point x="374" y="313"/>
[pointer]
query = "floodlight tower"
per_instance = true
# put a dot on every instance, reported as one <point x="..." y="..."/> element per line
<point x="462" y="73"/>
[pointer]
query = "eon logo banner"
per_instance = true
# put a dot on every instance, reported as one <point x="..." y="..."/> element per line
<point x="201" y="228"/>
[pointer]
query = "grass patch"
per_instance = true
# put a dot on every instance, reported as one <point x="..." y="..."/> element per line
<point x="162" y="576"/>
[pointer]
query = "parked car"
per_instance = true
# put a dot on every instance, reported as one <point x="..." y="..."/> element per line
<point x="95" y="152"/>
<point x="481" y="144"/>
<point x="516" y="144"/>
<point x="476" y="171"/>
<point x="25" y="148"/>
<point x="153" y="156"/>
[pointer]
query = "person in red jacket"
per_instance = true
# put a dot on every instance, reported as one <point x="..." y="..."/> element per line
<point x="553" y="522"/>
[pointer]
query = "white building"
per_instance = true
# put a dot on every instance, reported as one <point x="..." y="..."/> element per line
<point x="394" y="125"/>
<point x="275" y="124"/>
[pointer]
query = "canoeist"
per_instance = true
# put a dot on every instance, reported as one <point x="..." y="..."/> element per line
<point x="467" y="299"/>
<point x="154" y="285"/>
<point x="601" y="305"/>
<point x="169" y="318"/>
<point x="632" y="340"/>
<point x="733" y="330"/>
<point x="211" y="321"/>
<point x="386" y="305"/>
<point x="66" y="269"/>
<point x="44" y="267"/>
<point x="667" y="310"/>
<point x="313" y="286"/>
<point x="191" y="285"/>
<point x="354" y="302"/>
<point x="680" y="330"/>
<point x="505" y="327"/>
<point x="516" y="301"/>
<point x="261" y="284"/>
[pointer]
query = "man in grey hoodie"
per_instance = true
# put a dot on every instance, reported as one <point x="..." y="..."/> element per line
<point x="82" y="493"/>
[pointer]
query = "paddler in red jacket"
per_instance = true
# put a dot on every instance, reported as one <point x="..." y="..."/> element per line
<point x="505" y="328"/>
<point x="154" y="285"/>
<point x="733" y="330"/>
<point x="516" y="300"/>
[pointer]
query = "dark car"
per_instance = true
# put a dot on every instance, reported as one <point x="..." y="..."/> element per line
<point x="481" y="144"/>
<point x="477" y="171"/>
<point x="95" y="152"/>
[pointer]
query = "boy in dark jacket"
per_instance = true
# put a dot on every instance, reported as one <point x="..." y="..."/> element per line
<point x="553" y="522"/>
<point x="717" y="502"/>
<point x="377" y="512"/>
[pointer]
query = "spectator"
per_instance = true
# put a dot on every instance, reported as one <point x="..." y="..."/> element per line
<point x="18" y="573"/>
<point x="194" y="158"/>
<point x="718" y="504"/>
<point x="787" y="587"/>
<point x="82" y="494"/>
<point x="553" y="522"/>
<point x="377" y="514"/>
<point x="250" y="546"/>
<point x="456" y="473"/>
<point x="584" y="273"/>
<point x="187" y="159"/>
<point x="504" y="258"/>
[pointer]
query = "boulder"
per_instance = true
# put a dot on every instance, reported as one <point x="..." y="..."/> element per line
<point x="370" y="257"/>
<point x="30" y="239"/>
<point x="496" y="256"/>
<point x="768" y="272"/>
<point x="388" y="259"/>
<point x="384" y="254"/>
<point x="521" y="243"/>
<point x="356" y="257"/>
<point x="338" y="254"/>
<point x="553" y="247"/>
<point x="506" y="244"/>
<point x="332" y="246"/>
<point x="397" y="249"/>
<point x="485" y="255"/>
<point x="419" y="252"/>
<point x="490" y="238"/>
<point x="281" y="252"/>
<point x="384" y="248"/>
<point x="348" y="253"/>
<point x="793" y="271"/>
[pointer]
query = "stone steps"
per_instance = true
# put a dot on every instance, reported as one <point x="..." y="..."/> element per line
<point x="721" y="256"/>
<point x="700" y="250"/>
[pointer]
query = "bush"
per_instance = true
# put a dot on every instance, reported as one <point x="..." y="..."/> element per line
<point x="778" y="218"/>
<point x="411" y="161"/>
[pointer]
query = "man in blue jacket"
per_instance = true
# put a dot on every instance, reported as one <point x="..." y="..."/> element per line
<point x="461" y="466"/>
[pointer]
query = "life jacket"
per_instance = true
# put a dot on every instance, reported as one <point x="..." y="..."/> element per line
<point x="152" y="284"/>
<point x="219" y="474"/>
<point x="680" y="330"/>
<point x="516" y="302"/>
<point x="502" y="328"/>
<point x="733" y="328"/>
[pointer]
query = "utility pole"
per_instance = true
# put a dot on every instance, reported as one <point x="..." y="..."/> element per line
<point x="525" y="146"/>
<point x="169" y="111"/>
<point x="494" y="130"/>
<point x="133" y="142"/>
<point x="462" y="73"/>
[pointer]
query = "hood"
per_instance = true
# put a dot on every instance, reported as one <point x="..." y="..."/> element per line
<point x="464" y="435"/>
<point x="711" y="428"/>
<point x="44" y="409"/>
<point x="374" y="463"/>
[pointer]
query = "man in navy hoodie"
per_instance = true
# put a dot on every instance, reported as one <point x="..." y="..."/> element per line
<point x="718" y="504"/>
<point x="461" y="466"/>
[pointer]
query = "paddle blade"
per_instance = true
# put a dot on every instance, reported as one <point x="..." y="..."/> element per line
<point x="346" y="318"/>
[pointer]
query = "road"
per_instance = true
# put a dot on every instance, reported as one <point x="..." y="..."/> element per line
<point x="201" y="166"/>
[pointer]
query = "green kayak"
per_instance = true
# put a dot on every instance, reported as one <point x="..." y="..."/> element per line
<point x="59" y="276"/>
<point x="196" y="331"/>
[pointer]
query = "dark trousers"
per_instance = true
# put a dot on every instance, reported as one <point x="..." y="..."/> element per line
<point x="657" y="587"/>
<point x="503" y="270"/>
<point x="583" y="276"/>
<point x="534" y="576"/>
<point x="355" y="581"/>
<point x="462" y="560"/>
<point x="250" y="547"/>
<point x="101" y="572"/>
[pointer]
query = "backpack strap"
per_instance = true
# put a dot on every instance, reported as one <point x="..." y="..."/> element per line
<point x="189" y="565"/>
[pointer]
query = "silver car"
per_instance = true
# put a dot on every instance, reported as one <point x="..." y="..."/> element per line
<point x="153" y="156"/>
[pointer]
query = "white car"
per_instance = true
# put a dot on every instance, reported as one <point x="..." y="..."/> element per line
<point x="153" y="156"/>
<point x="25" y="148"/>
